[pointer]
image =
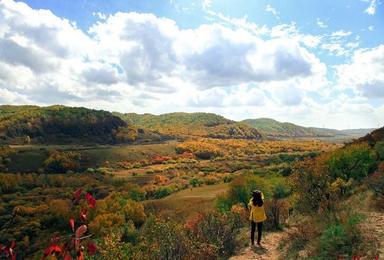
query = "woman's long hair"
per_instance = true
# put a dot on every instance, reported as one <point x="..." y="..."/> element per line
<point x="257" y="199"/>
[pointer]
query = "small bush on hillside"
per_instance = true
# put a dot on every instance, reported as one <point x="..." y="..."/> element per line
<point x="379" y="148"/>
<point x="134" y="192"/>
<point x="277" y="207"/>
<point x="311" y="184"/>
<point x="376" y="183"/>
<point x="242" y="187"/>
<point x="355" y="161"/>
<point x="194" y="182"/>
<point x="61" y="162"/>
<point x="161" y="192"/>
<point x="341" y="239"/>
<point x="218" y="230"/>
<point x="165" y="240"/>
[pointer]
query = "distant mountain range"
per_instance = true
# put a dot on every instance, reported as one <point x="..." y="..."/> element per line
<point x="60" y="124"/>
<point x="275" y="129"/>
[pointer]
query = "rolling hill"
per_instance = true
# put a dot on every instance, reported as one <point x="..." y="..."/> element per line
<point x="373" y="137"/>
<point x="275" y="129"/>
<point x="192" y="124"/>
<point x="60" y="124"/>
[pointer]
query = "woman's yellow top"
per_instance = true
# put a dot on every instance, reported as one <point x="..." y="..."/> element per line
<point x="257" y="213"/>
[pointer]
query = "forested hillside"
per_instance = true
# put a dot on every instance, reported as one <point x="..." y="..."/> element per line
<point x="60" y="124"/>
<point x="192" y="124"/>
<point x="272" y="128"/>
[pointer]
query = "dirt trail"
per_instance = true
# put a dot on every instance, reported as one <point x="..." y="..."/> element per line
<point x="269" y="248"/>
<point x="374" y="226"/>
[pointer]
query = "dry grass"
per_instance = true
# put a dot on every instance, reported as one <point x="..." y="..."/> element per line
<point x="185" y="204"/>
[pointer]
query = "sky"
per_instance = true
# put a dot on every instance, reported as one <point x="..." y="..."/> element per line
<point x="309" y="62"/>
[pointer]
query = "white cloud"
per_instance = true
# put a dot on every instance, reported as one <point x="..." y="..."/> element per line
<point x="334" y="49"/>
<point x="272" y="10"/>
<point x="371" y="9"/>
<point x="206" y="4"/>
<point x="371" y="28"/>
<point x="365" y="72"/>
<point x="142" y="52"/>
<point x="340" y="34"/>
<point x="144" y="63"/>
<point x="321" y="24"/>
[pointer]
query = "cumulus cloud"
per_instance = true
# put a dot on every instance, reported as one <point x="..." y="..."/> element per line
<point x="144" y="63"/>
<point x="365" y="72"/>
<point x="142" y="52"/>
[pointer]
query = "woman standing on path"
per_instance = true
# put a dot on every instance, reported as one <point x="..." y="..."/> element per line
<point x="257" y="215"/>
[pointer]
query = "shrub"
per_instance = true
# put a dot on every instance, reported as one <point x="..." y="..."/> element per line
<point x="165" y="240"/>
<point x="341" y="239"/>
<point x="277" y="207"/>
<point x="379" y="148"/>
<point x="134" y="211"/>
<point x="194" y="182"/>
<point x="376" y="183"/>
<point x="61" y="162"/>
<point x="354" y="161"/>
<point x="311" y="184"/>
<point x="162" y="192"/>
<point x="210" y="180"/>
<point x="241" y="188"/>
<point x="103" y="223"/>
<point x="134" y="192"/>
<point x="219" y="230"/>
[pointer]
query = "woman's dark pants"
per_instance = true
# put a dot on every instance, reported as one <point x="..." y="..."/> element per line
<point x="259" y="231"/>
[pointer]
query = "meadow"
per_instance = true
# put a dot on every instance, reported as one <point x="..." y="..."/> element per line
<point x="181" y="188"/>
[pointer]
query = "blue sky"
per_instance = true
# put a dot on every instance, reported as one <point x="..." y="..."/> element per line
<point x="314" y="63"/>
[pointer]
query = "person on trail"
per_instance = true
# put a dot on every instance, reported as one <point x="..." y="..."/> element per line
<point x="257" y="215"/>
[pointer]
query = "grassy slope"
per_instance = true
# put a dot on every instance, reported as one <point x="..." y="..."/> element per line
<point x="186" y="203"/>
<point x="192" y="124"/>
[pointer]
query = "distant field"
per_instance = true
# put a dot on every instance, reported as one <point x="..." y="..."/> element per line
<point x="185" y="204"/>
<point x="29" y="158"/>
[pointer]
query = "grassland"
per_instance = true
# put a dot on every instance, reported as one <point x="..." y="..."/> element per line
<point x="185" y="204"/>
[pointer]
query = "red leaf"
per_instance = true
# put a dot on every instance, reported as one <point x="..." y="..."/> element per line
<point x="72" y="224"/>
<point x="83" y="214"/>
<point x="77" y="194"/>
<point x="91" y="200"/>
<point x="91" y="248"/>
<point x="81" y="231"/>
<point x="67" y="257"/>
<point x="56" y="249"/>
<point x="13" y="255"/>
<point x="80" y="255"/>
<point x="52" y="249"/>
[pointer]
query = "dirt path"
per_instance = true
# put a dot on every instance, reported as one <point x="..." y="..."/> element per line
<point x="269" y="248"/>
<point x="374" y="227"/>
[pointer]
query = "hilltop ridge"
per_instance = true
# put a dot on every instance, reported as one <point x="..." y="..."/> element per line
<point x="275" y="129"/>
<point x="181" y="124"/>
